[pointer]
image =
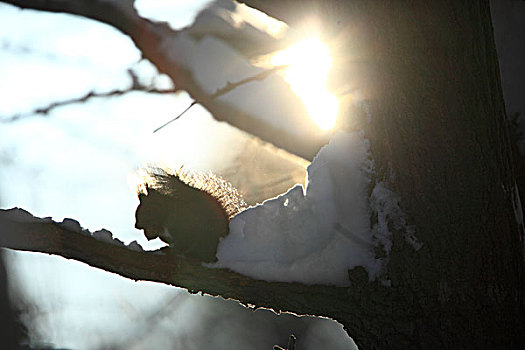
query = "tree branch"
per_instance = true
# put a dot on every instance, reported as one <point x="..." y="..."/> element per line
<point x="222" y="91"/>
<point x="91" y="94"/>
<point x="149" y="38"/>
<point x="19" y="230"/>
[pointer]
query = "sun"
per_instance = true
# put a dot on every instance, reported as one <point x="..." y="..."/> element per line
<point x="308" y="64"/>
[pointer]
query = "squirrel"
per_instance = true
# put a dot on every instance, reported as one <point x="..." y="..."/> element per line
<point x="188" y="211"/>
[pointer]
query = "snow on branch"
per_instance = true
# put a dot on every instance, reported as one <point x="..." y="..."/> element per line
<point x="179" y="55"/>
<point x="20" y="230"/>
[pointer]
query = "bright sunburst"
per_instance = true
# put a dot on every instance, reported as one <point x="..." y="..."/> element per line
<point x="309" y="62"/>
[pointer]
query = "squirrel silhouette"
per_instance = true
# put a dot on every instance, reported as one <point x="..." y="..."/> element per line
<point x="188" y="211"/>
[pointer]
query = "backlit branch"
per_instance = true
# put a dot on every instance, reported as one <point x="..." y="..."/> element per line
<point x="151" y="39"/>
<point x="19" y="230"/>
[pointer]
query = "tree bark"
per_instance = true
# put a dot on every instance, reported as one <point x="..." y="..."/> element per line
<point x="438" y="138"/>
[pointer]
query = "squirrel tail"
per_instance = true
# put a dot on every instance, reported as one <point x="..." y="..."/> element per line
<point x="165" y="180"/>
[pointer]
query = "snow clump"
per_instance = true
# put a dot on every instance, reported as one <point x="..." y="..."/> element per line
<point x="312" y="235"/>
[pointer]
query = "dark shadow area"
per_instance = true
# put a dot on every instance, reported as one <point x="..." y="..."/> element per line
<point x="12" y="332"/>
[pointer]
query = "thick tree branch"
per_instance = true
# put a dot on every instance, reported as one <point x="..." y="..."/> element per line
<point x="150" y="38"/>
<point x="43" y="235"/>
<point x="119" y="14"/>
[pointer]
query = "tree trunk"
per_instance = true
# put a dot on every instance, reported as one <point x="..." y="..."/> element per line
<point x="439" y="139"/>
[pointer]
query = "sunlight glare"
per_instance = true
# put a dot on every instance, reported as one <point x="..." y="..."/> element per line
<point x="309" y="62"/>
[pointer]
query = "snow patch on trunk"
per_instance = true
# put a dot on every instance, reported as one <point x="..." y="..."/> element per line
<point x="385" y="203"/>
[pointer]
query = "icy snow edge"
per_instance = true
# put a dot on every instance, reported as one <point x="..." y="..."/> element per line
<point x="315" y="235"/>
<point x="23" y="216"/>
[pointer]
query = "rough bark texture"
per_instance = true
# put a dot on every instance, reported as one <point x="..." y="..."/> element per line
<point x="439" y="127"/>
<point x="438" y="138"/>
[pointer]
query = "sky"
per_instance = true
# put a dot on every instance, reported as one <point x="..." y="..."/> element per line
<point x="78" y="161"/>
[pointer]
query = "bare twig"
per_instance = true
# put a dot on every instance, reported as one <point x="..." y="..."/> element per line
<point x="224" y="90"/>
<point x="92" y="94"/>
<point x="148" y="323"/>
<point x="177" y="117"/>
<point x="291" y="344"/>
<point x="260" y="76"/>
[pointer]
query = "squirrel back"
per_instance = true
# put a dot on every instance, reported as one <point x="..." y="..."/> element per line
<point x="189" y="211"/>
